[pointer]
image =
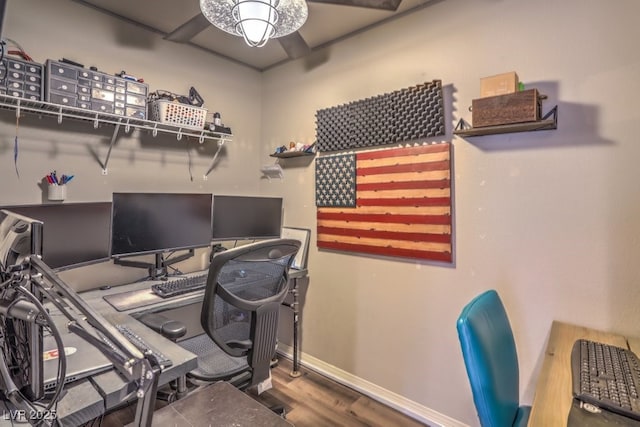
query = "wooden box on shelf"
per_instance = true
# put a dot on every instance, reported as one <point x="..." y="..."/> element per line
<point x="518" y="107"/>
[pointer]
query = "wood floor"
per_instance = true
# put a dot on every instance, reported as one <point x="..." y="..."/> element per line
<point x="313" y="400"/>
<point x="310" y="400"/>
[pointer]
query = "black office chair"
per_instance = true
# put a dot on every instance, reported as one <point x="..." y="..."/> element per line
<point x="240" y="312"/>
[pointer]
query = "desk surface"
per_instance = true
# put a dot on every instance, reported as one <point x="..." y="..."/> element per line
<point x="110" y="383"/>
<point x="553" y="397"/>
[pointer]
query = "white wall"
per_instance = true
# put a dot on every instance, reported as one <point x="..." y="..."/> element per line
<point x="550" y="219"/>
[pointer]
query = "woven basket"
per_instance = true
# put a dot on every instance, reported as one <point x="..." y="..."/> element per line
<point x="174" y="113"/>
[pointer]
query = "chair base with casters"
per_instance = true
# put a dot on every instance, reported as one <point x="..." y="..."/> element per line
<point x="491" y="361"/>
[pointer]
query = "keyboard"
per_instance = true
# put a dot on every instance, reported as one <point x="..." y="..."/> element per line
<point x="606" y="376"/>
<point x="142" y="345"/>
<point x="180" y="285"/>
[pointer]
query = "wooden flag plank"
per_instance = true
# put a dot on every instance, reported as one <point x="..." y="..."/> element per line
<point x="400" y="177"/>
<point x="403" y="253"/>
<point x="416" y="228"/>
<point x="389" y="235"/>
<point x="397" y="210"/>
<point x="388" y="219"/>
<point x="404" y="194"/>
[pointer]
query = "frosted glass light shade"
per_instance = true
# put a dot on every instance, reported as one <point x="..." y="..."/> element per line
<point x="257" y="20"/>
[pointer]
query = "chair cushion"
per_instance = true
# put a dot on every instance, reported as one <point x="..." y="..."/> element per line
<point x="213" y="363"/>
<point x="489" y="353"/>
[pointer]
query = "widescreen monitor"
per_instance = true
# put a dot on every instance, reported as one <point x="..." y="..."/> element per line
<point x="145" y="223"/>
<point x="246" y="217"/>
<point x="74" y="234"/>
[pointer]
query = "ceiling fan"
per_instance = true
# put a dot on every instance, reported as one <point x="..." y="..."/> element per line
<point x="293" y="44"/>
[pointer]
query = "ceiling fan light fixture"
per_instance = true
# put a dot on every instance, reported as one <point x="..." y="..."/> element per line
<point x="256" y="20"/>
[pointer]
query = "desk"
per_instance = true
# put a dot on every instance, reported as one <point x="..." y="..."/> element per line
<point x="88" y="399"/>
<point x="553" y="390"/>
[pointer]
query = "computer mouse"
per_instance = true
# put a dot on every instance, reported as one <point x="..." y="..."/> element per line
<point x="239" y="273"/>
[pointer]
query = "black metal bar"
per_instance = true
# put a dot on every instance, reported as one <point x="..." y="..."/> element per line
<point x="146" y="400"/>
<point x="296" y="325"/>
<point x="94" y="318"/>
<point x="462" y="125"/>
<point x="113" y="140"/>
<point x="554" y="112"/>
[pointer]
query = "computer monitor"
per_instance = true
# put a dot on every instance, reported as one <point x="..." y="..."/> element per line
<point x="150" y="223"/>
<point x="74" y="234"/>
<point x="245" y="217"/>
<point x="20" y="237"/>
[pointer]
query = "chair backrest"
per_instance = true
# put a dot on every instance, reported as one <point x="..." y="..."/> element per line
<point x="491" y="360"/>
<point x="245" y="288"/>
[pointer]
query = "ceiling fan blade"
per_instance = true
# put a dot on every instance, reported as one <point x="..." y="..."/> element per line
<point x="371" y="4"/>
<point x="189" y="29"/>
<point x="294" y="45"/>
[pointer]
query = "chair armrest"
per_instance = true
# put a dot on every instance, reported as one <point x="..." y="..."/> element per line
<point x="168" y="328"/>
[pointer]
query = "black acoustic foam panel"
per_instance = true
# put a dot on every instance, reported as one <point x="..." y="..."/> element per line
<point x="404" y="115"/>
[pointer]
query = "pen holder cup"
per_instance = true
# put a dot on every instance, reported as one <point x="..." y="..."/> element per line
<point x="57" y="192"/>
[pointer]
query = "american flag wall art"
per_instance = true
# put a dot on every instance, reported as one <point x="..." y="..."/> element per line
<point x="391" y="202"/>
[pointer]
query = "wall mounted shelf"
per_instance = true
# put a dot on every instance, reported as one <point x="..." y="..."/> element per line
<point x="62" y="112"/>
<point x="290" y="154"/>
<point x="548" y="122"/>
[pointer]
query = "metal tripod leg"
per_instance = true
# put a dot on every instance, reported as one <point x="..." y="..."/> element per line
<point x="296" y="326"/>
<point x="146" y="403"/>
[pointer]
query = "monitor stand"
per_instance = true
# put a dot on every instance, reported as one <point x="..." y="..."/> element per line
<point x="157" y="270"/>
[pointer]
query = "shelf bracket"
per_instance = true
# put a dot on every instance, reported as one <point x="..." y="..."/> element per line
<point x="553" y="112"/>
<point x="154" y="132"/>
<point x="462" y="125"/>
<point x="201" y="138"/>
<point x="18" y="109"/>
<point x="127" y="127"/>
<point x="272" y="171"/>
<point x="213" y="161"/>
<point x="60" y="116"/>
<point x="96" y="122"/>
<point x="113" y="140"/>
<point x="179" y="134"/>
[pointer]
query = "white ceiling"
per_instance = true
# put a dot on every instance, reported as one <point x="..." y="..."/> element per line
<point x="326" y="24"/>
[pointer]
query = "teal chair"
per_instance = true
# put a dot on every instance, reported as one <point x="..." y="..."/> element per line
<point x="490" y="357"/>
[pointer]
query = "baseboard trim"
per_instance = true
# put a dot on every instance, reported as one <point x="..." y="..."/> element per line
<point x="399" y="403"/>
